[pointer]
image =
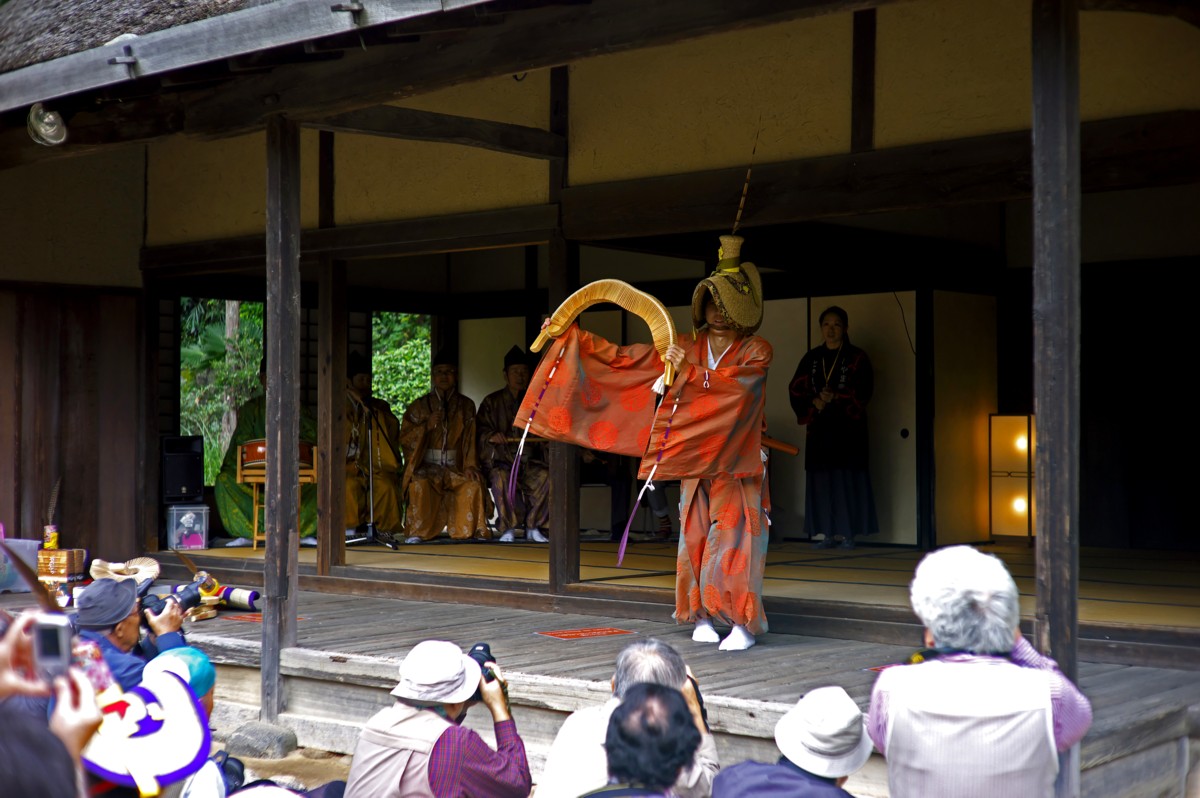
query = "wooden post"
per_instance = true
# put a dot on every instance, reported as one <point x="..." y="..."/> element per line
<point x="282" y="495"/>
<point x="331" y="383"/>
<point x="564" y="280"/>
<point x="564" y="460"/>
<point x="1056" y="329"/>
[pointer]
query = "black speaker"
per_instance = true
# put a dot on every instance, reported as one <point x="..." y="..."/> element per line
<point x="182" y="468"/>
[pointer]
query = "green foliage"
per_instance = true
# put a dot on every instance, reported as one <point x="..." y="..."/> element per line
<point x="400" y="358"/>
<point x="216" y="373"/>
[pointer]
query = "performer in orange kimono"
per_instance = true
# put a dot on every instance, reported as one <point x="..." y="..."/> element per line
<point x="707" y="432"/>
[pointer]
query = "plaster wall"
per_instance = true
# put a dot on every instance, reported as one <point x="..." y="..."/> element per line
<point x="381" y="179"/>
<point x="481" y="347"/>
<point x="199" y="190"/>
<point x="964" y="373"/>
<point x="947" y="69"/>
<point x="699" y="104"/>
<point x="75" y="220"/>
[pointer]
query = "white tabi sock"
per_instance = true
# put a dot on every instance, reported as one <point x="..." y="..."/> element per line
<point x="738" y="640"/>
<point x="704" y="632"/>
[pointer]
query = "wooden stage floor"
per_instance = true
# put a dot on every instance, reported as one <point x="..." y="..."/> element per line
<point x="349" y="648"/>
<point x="1137" y="588"/>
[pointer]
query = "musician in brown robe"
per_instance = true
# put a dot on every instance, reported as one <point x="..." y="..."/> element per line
<point x="441" y="478"/>
<point x="373" y="460"/>
<point x="530" y="506"/>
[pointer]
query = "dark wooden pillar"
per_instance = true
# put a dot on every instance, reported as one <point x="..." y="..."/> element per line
<point x="564" y="460"/>
<point x="564" y="280"/>
<point x="331" y="383"/>
<point x="1056" y="331"/>
<point x="282" y="496"/>
<point x="533" y="321"/>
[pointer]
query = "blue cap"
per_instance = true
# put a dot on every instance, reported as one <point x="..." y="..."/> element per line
<point x="105" y="603"/>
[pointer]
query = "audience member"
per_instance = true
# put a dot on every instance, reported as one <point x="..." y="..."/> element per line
<point x="109" y="616"/>
<point x="983" y="712"/>
<point x="577" y="761"/>
<point x="36" y="758"/>
<point x="651" y="737"/>
<point x="417" y="747"/>
<point x="823" y="741"/>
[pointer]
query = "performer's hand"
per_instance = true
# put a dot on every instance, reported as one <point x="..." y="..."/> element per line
<point x="827" y="396"/>
<point x="435" y="419"/>
<point x="676" y="356"/>
<point x="497" y="438"/>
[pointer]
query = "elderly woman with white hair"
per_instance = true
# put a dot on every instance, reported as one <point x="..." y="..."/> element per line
<point x="980" y="712"/>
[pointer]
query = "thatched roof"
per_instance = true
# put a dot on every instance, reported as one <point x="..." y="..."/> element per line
<point x="32" y="31"/>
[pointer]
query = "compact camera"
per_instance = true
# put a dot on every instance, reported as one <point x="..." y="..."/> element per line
<point x="52" y="650"/>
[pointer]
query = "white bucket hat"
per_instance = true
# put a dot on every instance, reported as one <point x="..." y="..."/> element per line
<point x="825" y="734"/>
<point x="439" y="672"/>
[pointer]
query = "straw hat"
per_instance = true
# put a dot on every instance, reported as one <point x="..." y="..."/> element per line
<point x="139" y="569"/>
<point x="825" y="734"/>
<point x="735" y="287"/>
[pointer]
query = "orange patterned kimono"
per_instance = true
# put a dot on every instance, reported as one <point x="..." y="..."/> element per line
<point x="707" y="433"/>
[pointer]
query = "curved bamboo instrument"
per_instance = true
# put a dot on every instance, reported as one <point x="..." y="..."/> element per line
<point x="779" y="446"/>
<point x="620" y="293"/>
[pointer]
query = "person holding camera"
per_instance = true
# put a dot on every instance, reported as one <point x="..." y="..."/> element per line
<point x="979" y="706"/>
<point x="110" y="615"/>
<point x="417" y="747"/>
<point x="577" y="761"/>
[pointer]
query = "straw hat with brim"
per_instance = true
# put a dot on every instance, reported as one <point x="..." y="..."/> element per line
<point x="735" y="287"/>
<point x="105" y="603"/>
<point x="825" y="734"/>
<point x="438" y="672"/>
<point x="139" y="569"/>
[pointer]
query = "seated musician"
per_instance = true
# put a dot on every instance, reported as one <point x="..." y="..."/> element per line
<point x="530" y="506"/>
<point x="441" y="479"/>
<point x="235" y="501"/>
<point x="373" y="461"/>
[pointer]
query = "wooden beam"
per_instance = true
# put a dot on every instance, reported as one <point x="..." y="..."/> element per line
<point x="414" y="125"/>
<point x="1186" y="10"/>
<point x="531" y="38"/>
<point x="862" y="82"/>
<point x="282" y="330"/>
<point x="1130" y="152"/>
<point x="452" y="233"/>
<point x="250" y="30"/>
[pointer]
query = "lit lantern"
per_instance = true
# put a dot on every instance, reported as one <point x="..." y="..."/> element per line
<point x="1010" y="461"/>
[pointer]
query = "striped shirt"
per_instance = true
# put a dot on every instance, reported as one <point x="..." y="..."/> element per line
<point x="461" y="764"/>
